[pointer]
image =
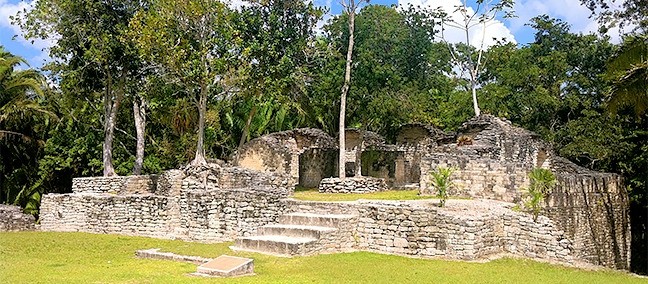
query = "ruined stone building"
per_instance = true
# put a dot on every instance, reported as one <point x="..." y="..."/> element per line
<point x="584" y="220"/>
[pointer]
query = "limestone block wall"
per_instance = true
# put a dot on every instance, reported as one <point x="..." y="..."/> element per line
<point x="13" y="219"/>
<point x="477" y="177"/>
<point x="352" y="185"/>
<point x="115" y="185"/>
<point x="211" y="176"/>
<point x="223" y="215"/>
<point x="136" y="215"/>
<point x="592" y="209"/>
<point x="316" y="164"/>
<point x="483" y="229"/>
<point x="204" y="204"/>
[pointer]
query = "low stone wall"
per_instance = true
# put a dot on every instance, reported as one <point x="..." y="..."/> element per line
<point x="115" y="185"/>
<point x="207" y="204"/>
<point x="13" y="219"/>
<point x="136" y="215"/>
<point x="465" y="230"/>
<point x="212" y="176"/>
<point x="223" y="215"/>
<point x="352" y="185"/>
<point x="477" y="177"/>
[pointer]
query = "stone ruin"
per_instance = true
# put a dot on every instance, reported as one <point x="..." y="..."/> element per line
<point x="13" y="219"/>
<point x="584" y="220"/>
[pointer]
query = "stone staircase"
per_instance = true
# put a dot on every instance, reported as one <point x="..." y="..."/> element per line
<point x="302" y="234"/>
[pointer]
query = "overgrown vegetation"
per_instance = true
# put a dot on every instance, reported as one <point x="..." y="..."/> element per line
<point x="541" y="183"/>
<point x="441" y="181"/>
<point x="205" y="88"/>
<point x="40" y="257"/>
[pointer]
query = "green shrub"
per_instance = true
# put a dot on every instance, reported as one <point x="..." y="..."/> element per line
<point x="542" y="181"/>
<point x="441" y="182"/>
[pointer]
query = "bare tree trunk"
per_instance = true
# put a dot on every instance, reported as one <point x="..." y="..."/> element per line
<point x="345" y="90"/>
<point x="139" y="115"/>
<point x="202" y="109"/>
<point x="246" y="128"/>
<point x="111" y="105"/>
<point x="473" y="86"/>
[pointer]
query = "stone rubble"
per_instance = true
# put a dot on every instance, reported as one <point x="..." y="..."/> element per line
<point x="12" y="218"/>
<point x="352" y="185"/>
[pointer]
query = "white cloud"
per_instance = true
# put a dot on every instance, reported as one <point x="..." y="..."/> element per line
<point x="10" y="9"/>
<point x="570" y="11"/>
<point x="494" y="30"/>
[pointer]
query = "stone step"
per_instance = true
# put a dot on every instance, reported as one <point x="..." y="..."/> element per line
<point x="277" y="245"/>
<point x="299" y="231"/>
<point x="312" y="219"/>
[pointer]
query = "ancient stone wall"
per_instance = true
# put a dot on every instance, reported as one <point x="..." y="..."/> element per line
<point x="136" y="215"/>
<point x="115" y="185"/>
<point x="477" y="177"/>
<point x="12" y="218"/>
<point x="471" y="231"/>
<point x="280" y="152"/>
<point x="316" y="164"/>
<point x="592" y="209"/>
<point x="223" y="215"/>
<point x="208" y="203"/>
<point x="352" y="185"/>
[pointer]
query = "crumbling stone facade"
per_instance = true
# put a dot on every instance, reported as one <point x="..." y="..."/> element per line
<point x="280" y="152"/>
<point x="12" y="218"/>
<point x="493" y="161"/>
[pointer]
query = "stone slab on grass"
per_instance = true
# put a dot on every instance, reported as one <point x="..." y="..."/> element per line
<point x="227" y="266"/>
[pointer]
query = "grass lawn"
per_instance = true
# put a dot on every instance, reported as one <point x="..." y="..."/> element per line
<point x="314" y="195"/>
<point x="45" y="257"/>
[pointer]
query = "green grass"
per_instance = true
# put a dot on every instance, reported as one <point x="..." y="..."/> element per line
<point x="43" y="257"/>
<point x="314" y="195"/>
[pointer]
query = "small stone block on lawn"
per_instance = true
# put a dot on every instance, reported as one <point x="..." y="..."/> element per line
<point x="227" y="266"/>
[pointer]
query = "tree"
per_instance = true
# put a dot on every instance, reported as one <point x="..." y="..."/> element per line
<point x="349" y="8"/>
<point x="21" y="131"/>
<point x="628" y="70"/>
<point x="396" y="66"/>
<point x="193" y="42"/>
<point x="630" y="13"/>
<point x="275" y="38"/>
<point x="91" y="57"/>
<point x="464" y="56"/>
<point x="18" y="90"/>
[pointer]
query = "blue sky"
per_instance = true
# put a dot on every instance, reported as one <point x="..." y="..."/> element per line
<point x="514" y="29"/>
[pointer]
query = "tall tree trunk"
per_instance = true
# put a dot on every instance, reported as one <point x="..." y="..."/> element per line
<point x="246" y="128"/>
<point x="139" y="115"/>
<point x="345" y="90"/>
<point x="473" y="86"/>
<point x="202" y="110"/>
<point x="112" y="100"/>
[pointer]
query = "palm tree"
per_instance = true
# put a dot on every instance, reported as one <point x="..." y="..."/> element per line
<point x="18" y="92"/>
<point x="629" y="73"/>
<point x="19" y="106"/>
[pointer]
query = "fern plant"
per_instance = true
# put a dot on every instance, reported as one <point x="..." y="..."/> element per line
<point x="441" y="182"/>
<point x="542" y="182"/>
